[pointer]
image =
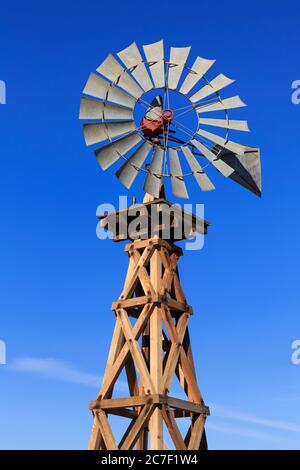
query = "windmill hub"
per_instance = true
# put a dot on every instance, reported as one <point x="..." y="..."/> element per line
<point x="154" y="125"/>
<point x="162" y="119"/>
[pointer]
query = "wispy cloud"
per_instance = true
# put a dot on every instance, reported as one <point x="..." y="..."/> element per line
<point x="64" y="371"/>
<point x="55" y="369"/>
<point x="230" y="413"/>
<point x="281" y="441"/>
<point x="59" y="370"/>
<point x="238" y="415"/>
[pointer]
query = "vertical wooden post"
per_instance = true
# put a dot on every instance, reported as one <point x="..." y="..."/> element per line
<point x="156" y="425"/>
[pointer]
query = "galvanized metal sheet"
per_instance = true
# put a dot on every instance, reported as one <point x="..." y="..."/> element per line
<point x="228" y="103"/>
<point x="200" y="176"/>
<point x="111" y="152"/>
<point x="153" y="179"/>
<point x="178" y="58"/>
<point x="94" y="109"/>
<point x="199" y="68"/>
<point x="133" y="60"/>
<point x="101" y="131"/>
<point x="218" y="83"/>
<point x="177" y="180"/>
<point x="247" y="168"/>
<point x="223" y="142"/>
<point x="114" y="71"/>
<point x="226" y="123"/>
<point x="155" y="56"/>
<point x="130" y="169"/>
<point x="223" y="168"/>
<point x="100" y="88"/>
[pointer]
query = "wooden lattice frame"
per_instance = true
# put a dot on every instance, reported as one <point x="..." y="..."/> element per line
<point x="152" y="352"/>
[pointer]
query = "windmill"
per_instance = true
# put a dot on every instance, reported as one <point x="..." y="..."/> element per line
<point x="152" y="116"/>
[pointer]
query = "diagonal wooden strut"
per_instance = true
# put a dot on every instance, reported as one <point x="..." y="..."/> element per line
<point x="151" y="344"/>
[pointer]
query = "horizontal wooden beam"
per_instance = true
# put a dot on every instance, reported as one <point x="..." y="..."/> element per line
<point x="179" y="306"/>
<point x="134" y="302"/>
<point x="153" y="299"/>
<point x="186" y="405"/>
<point x="124" y="413"/>
<point x="157" y="399"/>
<point x="139" y="244"/>
<point x="126" y="402"/>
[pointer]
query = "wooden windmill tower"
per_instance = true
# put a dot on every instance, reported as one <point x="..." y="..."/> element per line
<point x="151" y="341"/>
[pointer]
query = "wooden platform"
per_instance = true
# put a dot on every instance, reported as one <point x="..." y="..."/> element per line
<point x="159" y="218"/>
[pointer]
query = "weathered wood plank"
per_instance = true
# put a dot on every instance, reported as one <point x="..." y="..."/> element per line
<point x="119" y="362"/>
<point x="196" y="433"/>
<point x="139" y="244"/>
<point x="173" y="428"/>
<point x="127" y="401"/>
<point x="138" y="426"/>
<point x="140" y="262"/>
<point x="156" y="422"/>
<point x="174" y="354"/>
<point x="118" y="340"/>
<point x="106" y="431"/>
<point x="136" y="351"/>
<point x="188" y="406"/>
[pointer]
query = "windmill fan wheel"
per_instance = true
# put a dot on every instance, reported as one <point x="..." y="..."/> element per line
<point x="156" y="141"/>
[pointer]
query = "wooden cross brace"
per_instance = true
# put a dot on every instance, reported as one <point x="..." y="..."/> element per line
<point x="151" y="343"/>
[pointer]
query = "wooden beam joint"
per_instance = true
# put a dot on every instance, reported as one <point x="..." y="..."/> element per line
<point x="156" y="399"/>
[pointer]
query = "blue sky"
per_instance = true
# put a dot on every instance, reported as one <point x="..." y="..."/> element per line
<point x="58" y="280"/>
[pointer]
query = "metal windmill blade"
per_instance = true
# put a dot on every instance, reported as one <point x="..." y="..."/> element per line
<point x="155" y="57"/>
<point x="153" y="179"/>
<point x="213" y="158"/>
<point x="114" y="71"/>
<point x="160" y="144"/>
<point x="93" y="109"/>
<point x="133" y="60"/>
<point x="178" y="58"/>
<point x="177" y="179"/>
<point x="100" y="88"/>
<point x="197" y="71"/>
<point x="113" y="151"/>
<point x="222" y="141"/>
<point x="130" y="169"/>
<point x="221" y="105"/>
<point x="99" y="132"/>
<point x="228" y="124"/>
<point x="200" y="176"/>
<point x="215" y="85"/>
